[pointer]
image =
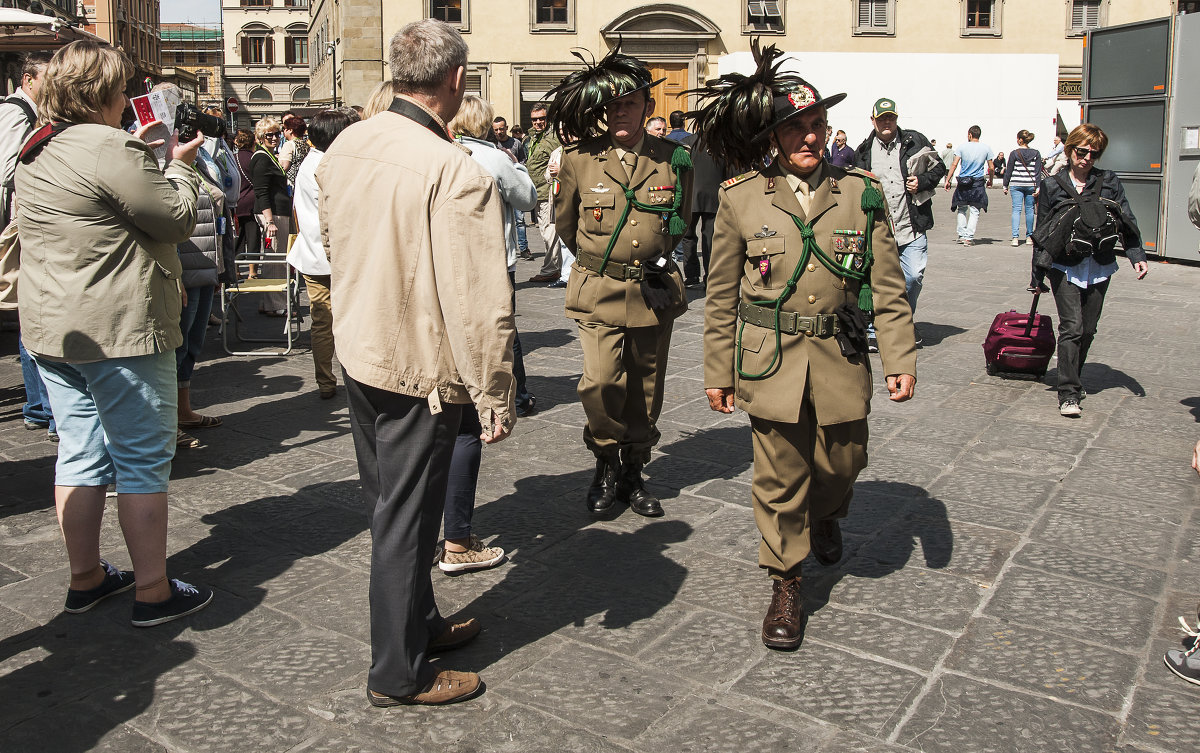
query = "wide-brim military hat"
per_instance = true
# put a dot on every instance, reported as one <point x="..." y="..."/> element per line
<point x="577" y="103"/>
<point x="790" y="104"/>
<point x="738" y="111"/>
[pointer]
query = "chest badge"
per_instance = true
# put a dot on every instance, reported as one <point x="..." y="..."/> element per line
<point x="597" y="213"/>
<point x="764" y="267"/>
<point x="600" y="188"/>
<point x="764" y="233"/>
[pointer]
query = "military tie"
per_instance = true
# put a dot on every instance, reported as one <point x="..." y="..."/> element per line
<point x="805" y="196"/>
<point x="630" y="163"/>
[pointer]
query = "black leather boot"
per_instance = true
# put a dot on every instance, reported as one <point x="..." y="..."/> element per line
<point x="602" y="494"/>
<point x="631" y="490"/>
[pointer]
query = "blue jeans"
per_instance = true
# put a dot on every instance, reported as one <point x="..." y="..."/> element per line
<point x="968" y="219"/>
<point x="914" y="255"/>
<point x="117" y="421"/>
<point x="464" y="476"/>
<point x="37" y="404"/>
<point x="1022" y="198"/>
<point x="193" y="322"/>
<point x="522" y="240"/>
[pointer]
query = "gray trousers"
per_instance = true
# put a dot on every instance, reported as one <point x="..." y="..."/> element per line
<point x="403" y="455"/>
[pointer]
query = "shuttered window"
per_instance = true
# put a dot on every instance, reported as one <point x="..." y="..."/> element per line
<point x="1085" y="14"/>
<point x="875" y="17"/>
<point x="764" y="15"/>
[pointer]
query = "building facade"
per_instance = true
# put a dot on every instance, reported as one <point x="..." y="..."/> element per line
<point x="522" y="48"/>
<point x="266" y="57"/>
<point x="131" y="25"/>
<point x="69" y="11"/>
<point x="198" y="49"/>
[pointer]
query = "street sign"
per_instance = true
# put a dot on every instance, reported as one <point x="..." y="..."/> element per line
<point x="231" y="104"/>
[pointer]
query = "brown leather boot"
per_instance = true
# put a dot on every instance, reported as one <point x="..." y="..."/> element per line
<point x="825" y="540"/>
<point x="783" y="627"/>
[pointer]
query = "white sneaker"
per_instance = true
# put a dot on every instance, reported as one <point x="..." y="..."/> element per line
<point x="1016" y="241"/>
<point x="1070" y="408"/>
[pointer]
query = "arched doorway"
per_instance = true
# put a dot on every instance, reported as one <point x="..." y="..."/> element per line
<point x="673" y="41"/>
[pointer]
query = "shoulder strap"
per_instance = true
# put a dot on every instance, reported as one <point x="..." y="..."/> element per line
<point x="39" y="138"/>
<point x="19" y="101"/>
<point x="1065" y="181"/>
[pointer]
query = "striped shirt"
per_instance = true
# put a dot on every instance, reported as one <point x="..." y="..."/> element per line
<point x="1024" y="168"/>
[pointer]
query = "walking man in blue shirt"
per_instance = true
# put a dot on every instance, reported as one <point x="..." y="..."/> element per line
<point x="973" y="161"/>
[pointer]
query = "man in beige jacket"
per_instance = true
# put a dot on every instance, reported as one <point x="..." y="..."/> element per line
<point x="424" y="329"/>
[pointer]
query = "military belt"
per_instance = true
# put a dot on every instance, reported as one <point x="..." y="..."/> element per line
<point x="615" y="270"/>
<point x="790" y="323"/>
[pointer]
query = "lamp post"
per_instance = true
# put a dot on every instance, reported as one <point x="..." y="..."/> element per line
<point x="331" y="48"/>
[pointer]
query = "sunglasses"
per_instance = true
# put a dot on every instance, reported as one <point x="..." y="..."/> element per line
<point x="1084" y="152"/>
<point x="536" y="120"/>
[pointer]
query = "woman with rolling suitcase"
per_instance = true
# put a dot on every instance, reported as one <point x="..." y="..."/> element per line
<point x="1081" y="213"/>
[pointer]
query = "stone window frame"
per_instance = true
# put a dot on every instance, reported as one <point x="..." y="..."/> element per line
<point x="770" y="8"/>
<point x="1079" y="31"/>
<point x="537" y="27"/>
<point x="463" y="26"/>
<point x="997" y="19"/>
<point x="887" y="30"/>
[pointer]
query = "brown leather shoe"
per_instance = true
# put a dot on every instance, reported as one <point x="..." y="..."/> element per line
<point x="456" y="636"/>
<point x="783" y="627"/>
<point x="447" y="686"/>
<point x="825" y="540"/>
<point x="548" y="277"/>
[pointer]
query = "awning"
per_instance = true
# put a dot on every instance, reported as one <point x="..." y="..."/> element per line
<point x="22" y="31"/>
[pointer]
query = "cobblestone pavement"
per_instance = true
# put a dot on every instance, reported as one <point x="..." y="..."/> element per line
<point x="1012" y="577"/>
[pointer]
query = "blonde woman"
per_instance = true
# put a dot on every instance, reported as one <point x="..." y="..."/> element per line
<point x="272" y="202"/>
<point x="100" y="308"/>
<point x="380" y="99"/>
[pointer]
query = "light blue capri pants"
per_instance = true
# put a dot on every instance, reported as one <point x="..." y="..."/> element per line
<point x="116" y="421"/>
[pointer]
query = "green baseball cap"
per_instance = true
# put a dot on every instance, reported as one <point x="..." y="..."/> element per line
<point x="883" y="107"/>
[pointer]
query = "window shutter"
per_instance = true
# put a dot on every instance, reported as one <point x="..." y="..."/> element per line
<point x="270" y="54"/>
<point x="872" y="14"/>
<point x="246" y="51"/>
<point x="289" y="52"/>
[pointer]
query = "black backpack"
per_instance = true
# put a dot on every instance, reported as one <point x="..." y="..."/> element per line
<point x="1080" y="226"/>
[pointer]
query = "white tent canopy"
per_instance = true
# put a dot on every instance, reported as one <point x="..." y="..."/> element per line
<point x="22" y="31"/>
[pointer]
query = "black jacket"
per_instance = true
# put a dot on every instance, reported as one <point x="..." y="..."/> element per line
<point x="1051" y="193"/>
<point x="911" y="142"/>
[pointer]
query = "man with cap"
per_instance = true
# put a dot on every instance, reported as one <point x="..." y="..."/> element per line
<point x="891" y="153"/>
<point x="622" y="201"/>
<point x="801" y="248"/>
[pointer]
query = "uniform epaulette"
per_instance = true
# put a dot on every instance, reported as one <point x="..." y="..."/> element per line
<point x="570" y="147"/>
<point x="738" y="179"/>
<point x="860" y="171"/>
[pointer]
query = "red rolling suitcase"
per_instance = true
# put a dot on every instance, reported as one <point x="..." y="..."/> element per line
<point x="1020" y="343"/>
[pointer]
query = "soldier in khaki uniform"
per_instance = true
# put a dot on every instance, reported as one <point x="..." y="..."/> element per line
<point x="784" y="339"/>
<point x="622" y="201"/>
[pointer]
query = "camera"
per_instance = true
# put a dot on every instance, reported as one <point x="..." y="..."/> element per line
<point x="189" y="120"/>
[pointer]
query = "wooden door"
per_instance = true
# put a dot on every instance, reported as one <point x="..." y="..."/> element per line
<point x="666" y="95"/>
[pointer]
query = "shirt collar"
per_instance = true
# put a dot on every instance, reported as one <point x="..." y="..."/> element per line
<point x="422" y="105"/>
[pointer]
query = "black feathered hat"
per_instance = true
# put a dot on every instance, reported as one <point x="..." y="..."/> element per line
<point x="577" y="104"/>
<point x="738" y="112"/>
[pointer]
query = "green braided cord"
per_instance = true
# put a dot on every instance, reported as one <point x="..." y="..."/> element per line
<point x="681" y="162"/>
<point x="872" y="203"/>
<point x="810" y="248"/>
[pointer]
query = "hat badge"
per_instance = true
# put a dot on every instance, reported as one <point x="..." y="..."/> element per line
<point x="802" y="98"/>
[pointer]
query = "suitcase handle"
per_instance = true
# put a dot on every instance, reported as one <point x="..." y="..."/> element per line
<point x="1032" y="312"/>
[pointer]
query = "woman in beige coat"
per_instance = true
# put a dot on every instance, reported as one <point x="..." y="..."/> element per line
<point x="100" y="305"/>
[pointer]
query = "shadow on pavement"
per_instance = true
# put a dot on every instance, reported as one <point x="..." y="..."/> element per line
<point x="89" y="673"/>
<point x="879" y="541"/>
<point x="933" y="334"/>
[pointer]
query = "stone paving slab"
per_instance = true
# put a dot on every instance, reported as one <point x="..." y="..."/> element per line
<point x="1012" y="578"/>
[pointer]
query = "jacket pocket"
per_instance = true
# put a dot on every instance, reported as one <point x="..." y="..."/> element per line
<point x="583" y="291"/>
<point x="164" y="271"/>
<point x="599" y="211"/>
<point x="756" y="348"/>
<point x="764" y="262"/>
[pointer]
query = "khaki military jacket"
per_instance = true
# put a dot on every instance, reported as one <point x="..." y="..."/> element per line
<point x="756" y="246"/>
<point x="587" y="207"/>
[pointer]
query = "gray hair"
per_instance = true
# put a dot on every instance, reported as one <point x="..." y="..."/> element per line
<point x="423" y="53"/>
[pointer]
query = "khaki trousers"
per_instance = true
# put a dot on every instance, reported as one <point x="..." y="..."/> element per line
<point x="622" y="385"/>
<point x="552" y="262"/>
<point x="803" y="472"/>
<point x="321" y="310"/>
